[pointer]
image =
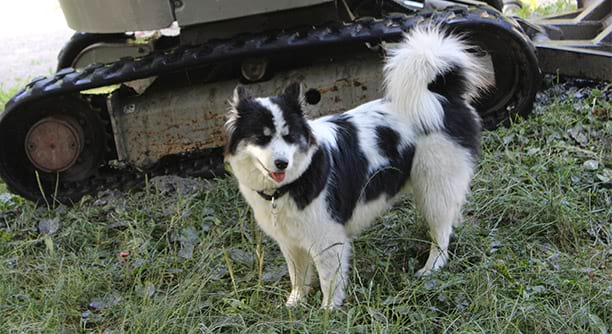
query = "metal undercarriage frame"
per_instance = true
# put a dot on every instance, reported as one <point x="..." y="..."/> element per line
<point x="170" y="121"/>
<point x="576" y="44"/>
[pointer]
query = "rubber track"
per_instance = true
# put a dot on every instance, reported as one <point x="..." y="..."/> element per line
<point x="390" y="29"/>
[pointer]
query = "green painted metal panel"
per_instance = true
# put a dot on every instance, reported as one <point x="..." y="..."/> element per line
<point x="112" y="16"/>
<point x="197" y="11"/>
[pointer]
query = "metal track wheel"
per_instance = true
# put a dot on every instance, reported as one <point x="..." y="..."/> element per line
<point x="516" y="69"/>
<point x="58" y="141"/>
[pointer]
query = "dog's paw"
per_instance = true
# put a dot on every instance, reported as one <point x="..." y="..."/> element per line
<point x="330" y="307"/>
<point x="423" y="272"/>
<point x="437" y="260"/>
<point x="333" y="304"/>
<point x="294" y="298"/>
<point x="292" y="302"/>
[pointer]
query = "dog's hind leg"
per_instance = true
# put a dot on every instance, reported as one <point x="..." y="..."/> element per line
<point x="300" y="267"/>
<point x="440" y="176"/>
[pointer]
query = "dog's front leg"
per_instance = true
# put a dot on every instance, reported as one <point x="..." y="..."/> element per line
<point x="332" y="261"/>
<point x="300" y="267"/>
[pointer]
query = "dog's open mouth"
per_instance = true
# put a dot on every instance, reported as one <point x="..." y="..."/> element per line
<point x="278" y="176"/>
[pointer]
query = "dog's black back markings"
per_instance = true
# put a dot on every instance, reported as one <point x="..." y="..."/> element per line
<point x="389" y="179"/>
<point x="350" y="181"/>
<point x="459" y="121"/>
<point x="387" y="141"/>
<point x="460" y="124"/>
<point x="349" y="171"/>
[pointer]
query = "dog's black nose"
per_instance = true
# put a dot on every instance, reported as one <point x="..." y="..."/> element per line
<point x="281" y="164"/>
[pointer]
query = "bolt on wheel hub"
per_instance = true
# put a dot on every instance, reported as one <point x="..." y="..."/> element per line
<point x="53" y="144"/>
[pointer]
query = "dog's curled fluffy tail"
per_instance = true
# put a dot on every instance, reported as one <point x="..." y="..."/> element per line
<point x="430" y="66"/>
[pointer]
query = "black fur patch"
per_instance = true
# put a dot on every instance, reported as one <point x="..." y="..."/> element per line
<point x="349" y="170"/>
<point x="347" y="181"/>
<point x="391" y="178"/>
<point x="387" y="140"/>
<point x="451" y="84"/>
<point x="459" y="121"/>
<point x="312" y="182"/>
<point x="461" y="125"/>
<point x="249" y="125"/>
<point x="299" y="131"/>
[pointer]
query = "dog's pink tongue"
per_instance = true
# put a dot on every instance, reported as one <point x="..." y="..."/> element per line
<point x="278" y="177"/>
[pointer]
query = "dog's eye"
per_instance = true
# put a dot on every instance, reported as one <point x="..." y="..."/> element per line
<point x="263" y="136"/>
<point x="289" y="138"/>
<point x="261" y="139"/>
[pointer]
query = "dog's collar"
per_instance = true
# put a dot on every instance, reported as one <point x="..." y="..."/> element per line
<point x="278" y="193"/>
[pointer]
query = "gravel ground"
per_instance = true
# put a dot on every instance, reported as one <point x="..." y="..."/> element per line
<point x="32" y="32"/>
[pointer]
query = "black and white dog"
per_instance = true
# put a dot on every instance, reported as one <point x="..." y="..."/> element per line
<point x="313" y="185"/>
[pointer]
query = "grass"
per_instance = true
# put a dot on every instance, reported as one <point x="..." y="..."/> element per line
<point x="5" y="95"/>
<point x="533" y="255"/>
<point x="535" y="8"/>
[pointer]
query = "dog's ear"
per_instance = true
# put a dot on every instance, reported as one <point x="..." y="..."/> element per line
<point x="294" y="92"/>
<point x="240" y="93"/>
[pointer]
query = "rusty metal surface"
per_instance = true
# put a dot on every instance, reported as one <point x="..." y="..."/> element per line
<point x="53" y="144"/>
<point x="181" y="120"/>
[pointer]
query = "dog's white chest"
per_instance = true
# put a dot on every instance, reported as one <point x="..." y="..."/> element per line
<point x="276" y="217"/>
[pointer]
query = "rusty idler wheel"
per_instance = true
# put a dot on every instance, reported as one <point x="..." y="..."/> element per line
<point x="52" y="148"/>
<point x="54" y="143"/>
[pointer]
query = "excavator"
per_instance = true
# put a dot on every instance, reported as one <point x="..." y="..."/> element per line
<point x="141" y="88"/>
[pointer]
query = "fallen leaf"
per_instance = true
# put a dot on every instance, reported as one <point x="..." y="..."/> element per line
<point x="172" y="185"/>
<point x="533" y="151"/>
<point x="591" y="165"/>
<point x="577" y="134"/>
<point x="241" y="256"/>
<point x="119" y="224"/>
<point x="274" y="274"/>
<point x="49" y="226"/>
<point x="107" y="301"/>
<point x="601" y="112"/>
<point x="189" y="238"/>
<point x="7" y="199"/>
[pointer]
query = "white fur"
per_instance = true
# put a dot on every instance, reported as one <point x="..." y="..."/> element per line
<point x="426" y="52"/>
<point x="306" y="237"/>
<point x="309" y="238"/>
<point x="441" y="174"/>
